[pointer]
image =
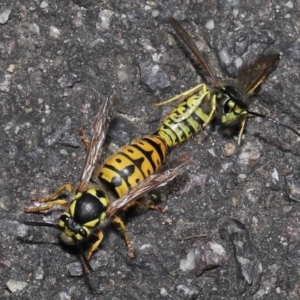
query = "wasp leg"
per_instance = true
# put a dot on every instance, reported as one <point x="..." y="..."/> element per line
<point x="184" y="95"/>
<point x="118" y="221"/>
<point x="99" y="234"/>
<point x="65" y="186"/>
<point x="243" y="123"/>
<point x="60" y="202"/>
<point x="195" y="101"/>
<point x="145" y="205"/>
<point x="84" y="139"/>
<point x="213" y="110"/>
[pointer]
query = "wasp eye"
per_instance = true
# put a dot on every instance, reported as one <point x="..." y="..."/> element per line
<point x="63" y="218"/>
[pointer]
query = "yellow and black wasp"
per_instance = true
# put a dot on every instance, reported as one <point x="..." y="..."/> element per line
<point x="136" y="168"/>
<point x="200" y="105"/>
<point x="116" y="185"/>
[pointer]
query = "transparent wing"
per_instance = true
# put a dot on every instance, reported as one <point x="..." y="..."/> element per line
<point x="100" y="128"/>
<point x="193" y="47"/>
<point x="250" y="77"/>
<point x="166" y="174"/>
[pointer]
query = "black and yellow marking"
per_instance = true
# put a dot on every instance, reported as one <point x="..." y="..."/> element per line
<point x="188" y="118"/>
<point x="133" y="163"/>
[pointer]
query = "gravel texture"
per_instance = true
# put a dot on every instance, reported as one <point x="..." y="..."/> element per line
<point x="231" y="227"/>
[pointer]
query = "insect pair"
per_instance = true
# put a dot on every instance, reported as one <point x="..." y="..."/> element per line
<point x="137" y="168"/>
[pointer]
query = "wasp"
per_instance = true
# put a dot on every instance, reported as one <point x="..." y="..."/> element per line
<point x="201" y="104"/>
<point x="115" y="186"/>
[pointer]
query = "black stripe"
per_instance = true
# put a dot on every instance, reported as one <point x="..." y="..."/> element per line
<point x="156" y="146"/>
<point x="192" y="115"/>
<point x="185" y="108"/>
<point x="147" y="155"/>
<point x="197" y="118"/>
<point x="161" y="128"/>
<point x="112" y="168"/>
<point x="185" y="122"/>
<point x="137" y="162"/>
<point x="183" y="134"/>
<point x="123" y="174"/>
<point x="171" y="129"/>
<point x="190" y="127"/>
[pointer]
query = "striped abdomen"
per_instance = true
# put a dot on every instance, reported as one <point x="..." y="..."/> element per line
<point x="133" y="163"/>
<point x="186" y="119"/>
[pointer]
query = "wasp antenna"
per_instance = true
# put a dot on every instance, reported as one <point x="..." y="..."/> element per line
<point x="274" y="121"/>
<point x="86" y="265"/>
<point x="41" y="224"/>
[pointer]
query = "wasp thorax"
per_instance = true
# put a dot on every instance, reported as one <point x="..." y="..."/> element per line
<point x="231" y="92"/>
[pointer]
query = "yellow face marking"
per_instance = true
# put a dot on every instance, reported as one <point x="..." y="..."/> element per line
<point x="61" y="224"/>
<point x="68" y="232"/>
<point x="78" y="237"/>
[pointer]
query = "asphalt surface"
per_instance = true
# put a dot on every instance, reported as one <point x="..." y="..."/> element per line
<point x="60" y="59"/>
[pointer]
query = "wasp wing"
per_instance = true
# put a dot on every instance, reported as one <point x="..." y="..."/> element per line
<point x="250" y="77"/>
<point x="166" y="174"/>
<point x="100" y="127"/>
<point x="193" y="47"/>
